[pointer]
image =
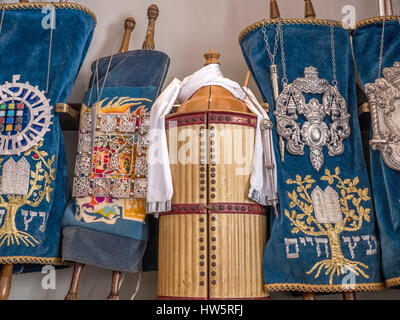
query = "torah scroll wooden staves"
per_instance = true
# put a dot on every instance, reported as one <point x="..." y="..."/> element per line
<point x="129" y="25"/>
<point x="152" y="14"/>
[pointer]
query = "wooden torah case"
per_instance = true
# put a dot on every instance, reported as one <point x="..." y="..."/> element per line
<point x="211" y="243"/>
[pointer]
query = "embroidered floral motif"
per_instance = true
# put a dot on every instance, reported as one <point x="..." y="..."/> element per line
<point x="354" y="214"/>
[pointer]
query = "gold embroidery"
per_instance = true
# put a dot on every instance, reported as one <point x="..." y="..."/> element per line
<point x="374" y="20"/>
<point x="275" y="287"/>
<point x="393" y="282"/>
<point x="259" y="24"/>
<point x="40" y="189"/>
<point x="40" y="5"/>
<point x="34" y="260"/>
<point x="304" y="221"/>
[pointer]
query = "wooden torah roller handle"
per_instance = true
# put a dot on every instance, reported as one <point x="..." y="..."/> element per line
<point x="129" y="25"/>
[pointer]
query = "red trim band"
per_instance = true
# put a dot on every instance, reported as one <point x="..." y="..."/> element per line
<point x="187" y="119"/>
<point x="232" y="118"/>
<point x="214" y="117"/>
<point x="214" y="208"/>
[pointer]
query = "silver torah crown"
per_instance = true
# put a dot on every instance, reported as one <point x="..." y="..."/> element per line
<point x="384" y="100"/>
<point x="314" y="132"/>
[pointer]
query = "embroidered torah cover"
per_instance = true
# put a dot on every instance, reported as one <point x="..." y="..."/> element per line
<point x="33" y="170"/>
<point x="324" y="238"/>
<point x="105" y="224"/>
<point x="385" y="180"/>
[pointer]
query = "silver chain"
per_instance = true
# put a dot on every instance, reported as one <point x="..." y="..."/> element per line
<point x="381" y="49"/>
<point x="267" y="46"/>
<point x="285" y="79"/>
<point x="96" y="76"/>
<point x="334" y="80"/>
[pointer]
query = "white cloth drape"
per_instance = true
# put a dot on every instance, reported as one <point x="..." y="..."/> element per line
<point x="159" y="186"/>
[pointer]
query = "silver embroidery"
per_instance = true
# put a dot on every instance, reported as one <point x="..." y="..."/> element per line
<point x="84" y="144"/>
<point x="101" y="187"/>
<point x="384" y="100"/>
<point x="15" y="137"/>
<point x="144" y="124"/>
<point x="110" y="165"/>
<point x="83" y="164"/>
<point x="127" y="123"/>
<point x="314" y="132"/>
<point x="27" y="221"/>
<point x="108" y="122"/>
<point x="326" y="205"/>
<point x="81" y="187"/>
<point x="44" y="216"/>
<point x="140" y="188"/>
<point x="15" y="177"/>
<point x="121" y="188"/>
<point x="141" y="169"/>
<point x="86" y="122"/>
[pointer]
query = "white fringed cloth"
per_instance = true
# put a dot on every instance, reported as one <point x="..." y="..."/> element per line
<point x="159" y="185"/>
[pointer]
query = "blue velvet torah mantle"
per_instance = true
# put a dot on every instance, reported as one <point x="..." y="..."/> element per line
<point x="34" y="187"/>
<point x="324" y="238"/>
<point x="385" y="181"/>
<point x="110" y="232"/>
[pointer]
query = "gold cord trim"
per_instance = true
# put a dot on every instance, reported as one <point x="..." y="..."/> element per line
<point x="275" y="287"/>
<point x="33" y="260"/>
<point x="374" y="20"/>
<point x="267" y="22"/>
<point x="394" y="282"/>
<point x="56" y="5"/>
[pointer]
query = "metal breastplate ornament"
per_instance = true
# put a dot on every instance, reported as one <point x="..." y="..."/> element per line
<point x="384" y="100"/>
<point x="314" y="132"/>
<point x="25" y="116"/>
<point x="114" y="163"/>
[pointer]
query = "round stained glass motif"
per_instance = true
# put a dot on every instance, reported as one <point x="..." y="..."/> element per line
<point x="25" y="116"/>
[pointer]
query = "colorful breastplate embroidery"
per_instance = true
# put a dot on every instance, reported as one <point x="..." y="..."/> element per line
<point x="111" y="160"/>
<point x="25" y="116"/>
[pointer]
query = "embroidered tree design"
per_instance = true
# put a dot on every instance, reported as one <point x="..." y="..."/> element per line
<point x="302" y="217"/>
<point x="39" y="189"/>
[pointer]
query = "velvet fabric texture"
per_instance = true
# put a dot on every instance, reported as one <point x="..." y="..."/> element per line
<point x="127" y="241"/>
<point x="366" y="43"/>
<point x="304" y="253"/>
<point x="30" y="224"/>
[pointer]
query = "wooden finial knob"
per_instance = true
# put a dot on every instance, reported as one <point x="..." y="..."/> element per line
<point x="153" y="12"/>
<point x="309" y="10"/>
<point x="129" y="25"/>
<point x="211" y="57"/>
<point x="274" y="10"/>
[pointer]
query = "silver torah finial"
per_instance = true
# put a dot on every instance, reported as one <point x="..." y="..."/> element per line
<point x="384" y="100"/>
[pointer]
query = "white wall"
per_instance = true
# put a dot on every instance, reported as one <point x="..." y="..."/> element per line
<point x="185" y="30"/>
